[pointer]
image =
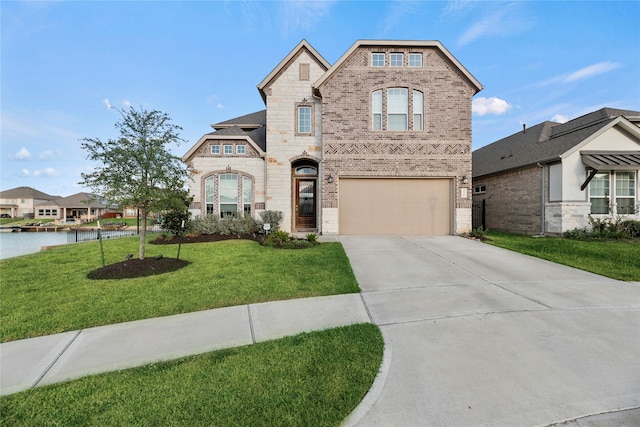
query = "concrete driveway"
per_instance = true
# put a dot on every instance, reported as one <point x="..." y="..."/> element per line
<point x="480" y="336"/>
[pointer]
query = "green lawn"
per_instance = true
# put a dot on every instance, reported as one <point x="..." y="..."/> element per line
<point x="313" y="379"/>
<point x="49" y="292"/>
<point x="618" y="259"/>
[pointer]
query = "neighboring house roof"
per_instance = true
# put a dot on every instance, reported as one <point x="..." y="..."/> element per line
<point x="547" y="141"/>
<point x="25" y="193"/>
<point x="303" y="45"/>
<point x="411" y="43"/>
<point x="78" y="200"/>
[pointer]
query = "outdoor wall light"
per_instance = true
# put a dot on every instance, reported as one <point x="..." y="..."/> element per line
<point x="329" y="179"/>
<point x="464" y="179"/>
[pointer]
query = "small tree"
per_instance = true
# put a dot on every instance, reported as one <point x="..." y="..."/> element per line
<point x="137" y="169"/>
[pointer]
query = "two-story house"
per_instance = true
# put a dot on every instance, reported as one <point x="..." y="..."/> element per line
<point x="377" y="143"/>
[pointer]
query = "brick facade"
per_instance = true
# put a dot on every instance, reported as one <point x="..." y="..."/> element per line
<point x="442" y="149"/>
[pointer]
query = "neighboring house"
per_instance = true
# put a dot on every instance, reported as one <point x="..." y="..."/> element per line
<point x="76" y="208"/>
<point x="20" y="202"/>
<point x="377" y="143"/>
<point x="550" y="177"/>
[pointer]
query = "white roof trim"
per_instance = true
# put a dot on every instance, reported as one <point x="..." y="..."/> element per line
<point x="620" y="120"/>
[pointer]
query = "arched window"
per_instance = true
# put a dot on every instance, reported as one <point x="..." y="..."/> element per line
<point x="232" y="195"/>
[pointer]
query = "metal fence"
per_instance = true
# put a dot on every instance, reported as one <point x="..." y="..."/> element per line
<point x="82" y="235"/>
<point x="478" y="214"/>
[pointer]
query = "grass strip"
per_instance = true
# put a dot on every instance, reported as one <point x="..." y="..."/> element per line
<point x="617" y="259"/>
<point x="312" y="379"/>
<point x="49" y="292"/>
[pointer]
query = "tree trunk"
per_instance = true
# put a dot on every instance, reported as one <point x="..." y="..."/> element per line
<point x="143" y="232"/>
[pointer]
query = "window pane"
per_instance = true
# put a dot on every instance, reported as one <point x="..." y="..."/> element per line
<point x="396" y="59"/>
<point x="599" y="206"/>
<point x="415" y="60"/>
<point x="208" y="195"/>
<point x="625" y="185"/>
<point x="626" y="206"/>
<point x="247" y="195"/>
<point x="228" y="189"/>
<point x="376" y="108"/>
<point x="397" y="108"/>
<point x="215" y="149"/>
<point x="228" y="149"/>
<point x="599" y="185"/>
<point x="241" y="149"/>
<point x="304" y="119"/>
<point x="418" y="105"/>
<point x="377" y="59"/>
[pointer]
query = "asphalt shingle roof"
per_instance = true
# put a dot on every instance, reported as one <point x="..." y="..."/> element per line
<point x="25" y="193"/>
<point x="541" y="143"/>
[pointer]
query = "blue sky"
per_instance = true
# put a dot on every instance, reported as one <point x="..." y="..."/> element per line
<point x="64" y="63"/>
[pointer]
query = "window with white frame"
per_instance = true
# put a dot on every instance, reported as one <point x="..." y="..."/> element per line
<point x="625" y="192"/>
<point x="418" y="107"/>
<point x="304" y="119"/>
<point x="233" y="196"/>
<point x="415" y="60"/>
<point x="215" y="149"/>
<point x="228" y="149"/>
<point x="241" y="149"/>
<point x="397" y="109"/>
<point x="376" y="109"/>
<point x="396" y="59"/>
<point x="620" y="184"/>
<point x="377" y="59"/>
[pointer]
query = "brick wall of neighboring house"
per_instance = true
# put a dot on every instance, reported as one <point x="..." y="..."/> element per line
<point x="513" y="200"/>
<point x="352" y="148"/>
<point x="284" y="94"/>
<point x="206" y="164"/>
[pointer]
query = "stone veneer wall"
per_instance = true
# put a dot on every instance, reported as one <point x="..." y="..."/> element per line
<point x="564" y="216"/>
<point x="352" y="148"/>
<point x="204" y="163"/>
<point x="283" y="145"/>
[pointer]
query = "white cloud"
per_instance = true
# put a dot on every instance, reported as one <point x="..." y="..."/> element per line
<point x="560" y="118"/>
<point x="107" y="103"/>
<point x="592" y="70"/>
<point x="47" y="154"/>
<point x="303" y="15"/>
<point x="220" y="106"/>
<point x="46" y="172"/>
<point x="23" y="154"/>
<point x="501" y="20"/>
<point x="482" y="106"/>
<point x="126" y="103"/>
<point x="24" y="172"/>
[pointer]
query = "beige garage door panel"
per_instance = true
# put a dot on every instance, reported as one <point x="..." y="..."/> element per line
<point x="394" y="206"/>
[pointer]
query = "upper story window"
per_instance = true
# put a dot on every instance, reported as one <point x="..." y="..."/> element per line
<point x="376" y="108"/>
<point x="415" y="60"/>
<point x="304" y="119"/>
<point x="418" y="107"/>
<point x="241" y="149"/>
<point x="377" y="59"/>
<point x="397" y="109"/>
<point x="215" y="149"/>
<point x="228" y="149"/>
<point x="396" y="60"/>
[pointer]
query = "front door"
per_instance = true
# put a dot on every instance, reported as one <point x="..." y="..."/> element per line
<point x="305" y="209"/>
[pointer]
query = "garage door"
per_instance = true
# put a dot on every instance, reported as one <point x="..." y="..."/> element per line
<point x="394" y="206"/>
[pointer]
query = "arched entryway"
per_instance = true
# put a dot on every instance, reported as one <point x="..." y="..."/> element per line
<point x="304" y="175"/>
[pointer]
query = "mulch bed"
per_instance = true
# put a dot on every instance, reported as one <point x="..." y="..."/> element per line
<point x="138" y="268"/>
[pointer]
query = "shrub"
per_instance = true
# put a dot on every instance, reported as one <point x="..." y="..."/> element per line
<point x="312" y="238"/>
<point x="632" y="228"/>
<point x="173" y="222"/>
<point x="227" y="226"/>
<point x="282" y="240"/>
<point x="576" y="233"/>
<point x="478" y="233"/>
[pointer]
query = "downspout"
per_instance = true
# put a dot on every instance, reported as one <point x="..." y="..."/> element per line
<point x="542" y="200"/>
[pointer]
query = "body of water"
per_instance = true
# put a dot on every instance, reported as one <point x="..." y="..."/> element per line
<point x="16" y="244"/>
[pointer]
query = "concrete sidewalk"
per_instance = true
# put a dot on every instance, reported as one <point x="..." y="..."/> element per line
<point x="55" y="358"/>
